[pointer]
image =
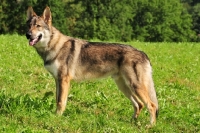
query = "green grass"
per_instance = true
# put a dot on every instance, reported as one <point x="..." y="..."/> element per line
<point x="27" y="93"/>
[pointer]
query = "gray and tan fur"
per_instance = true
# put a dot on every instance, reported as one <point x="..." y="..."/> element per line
<point x="67" y="58"/>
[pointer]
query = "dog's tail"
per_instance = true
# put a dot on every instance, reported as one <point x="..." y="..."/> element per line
<point x="150" y="86"/>
<point x="153" y="97"/>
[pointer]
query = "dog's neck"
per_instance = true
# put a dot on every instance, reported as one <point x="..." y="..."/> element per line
<point x="48" y="53"/>
<point x="44" y="52"/>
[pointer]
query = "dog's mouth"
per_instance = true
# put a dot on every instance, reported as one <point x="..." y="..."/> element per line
<point x="35" y="40"/>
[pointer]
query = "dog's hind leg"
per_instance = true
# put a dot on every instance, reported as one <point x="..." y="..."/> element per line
<point x="62" y="91"/>
<point x="143" y="94"/>
<point x="137" y="104"/>
<point x="140" y="104"/>
<point x="134" y="78"/>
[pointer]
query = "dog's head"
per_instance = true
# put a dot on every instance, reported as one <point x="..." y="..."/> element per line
<point x="39" y="27"/>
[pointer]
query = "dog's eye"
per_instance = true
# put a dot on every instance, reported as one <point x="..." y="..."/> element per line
<point x="38" y="26"/>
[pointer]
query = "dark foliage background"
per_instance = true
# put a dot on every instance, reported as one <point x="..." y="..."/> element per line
<point x="127" y="20"/>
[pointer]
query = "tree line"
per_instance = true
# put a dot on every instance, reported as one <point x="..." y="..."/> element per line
<point x="127" y="20"/>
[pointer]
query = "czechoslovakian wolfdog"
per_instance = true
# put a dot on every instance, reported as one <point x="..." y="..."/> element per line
<point x="68" y="58"/>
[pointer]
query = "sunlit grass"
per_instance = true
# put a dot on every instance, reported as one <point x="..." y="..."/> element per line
<point x="27" y="93"/>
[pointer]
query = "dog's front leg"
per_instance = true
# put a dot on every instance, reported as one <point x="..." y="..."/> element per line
<point x="62" y="91"/>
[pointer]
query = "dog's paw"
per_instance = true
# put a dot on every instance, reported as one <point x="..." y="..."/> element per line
<point x="149" y="125"/>
<point x="59" y="112"/>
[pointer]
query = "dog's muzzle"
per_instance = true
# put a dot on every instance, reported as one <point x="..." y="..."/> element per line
<point x="33" y="39"/>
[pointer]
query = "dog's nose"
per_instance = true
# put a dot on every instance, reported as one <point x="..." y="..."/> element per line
<point x="28" y="35"/>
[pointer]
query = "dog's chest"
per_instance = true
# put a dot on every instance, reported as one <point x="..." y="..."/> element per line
<point x="53" y="68"/>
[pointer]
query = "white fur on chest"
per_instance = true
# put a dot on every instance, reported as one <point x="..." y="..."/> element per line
<point x="53" y="68"/>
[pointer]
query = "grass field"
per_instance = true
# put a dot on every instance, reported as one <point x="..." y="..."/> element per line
<point x="27" y="93"/>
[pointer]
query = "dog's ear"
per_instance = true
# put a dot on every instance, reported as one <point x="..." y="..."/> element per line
<point x="47" y="15"/>
<point x="30" y="13"/>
